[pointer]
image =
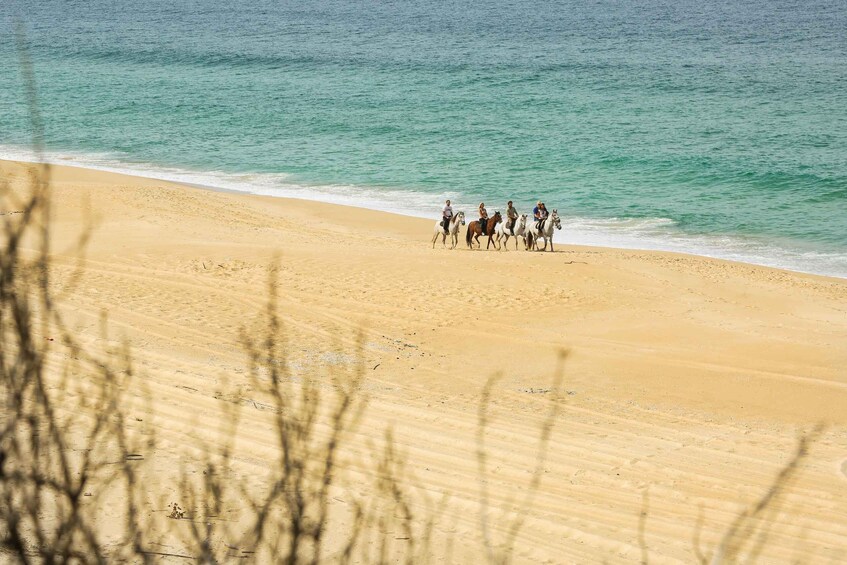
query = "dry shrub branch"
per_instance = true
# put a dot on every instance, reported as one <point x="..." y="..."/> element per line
<point x="62" y="433"/>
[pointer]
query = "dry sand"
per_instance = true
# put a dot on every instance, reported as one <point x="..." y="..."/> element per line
<point x="687" y="377"/>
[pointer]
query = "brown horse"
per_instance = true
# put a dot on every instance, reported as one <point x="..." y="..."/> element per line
<point x="475" y="230"/>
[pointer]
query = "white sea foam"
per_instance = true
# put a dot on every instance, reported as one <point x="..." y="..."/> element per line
<point x="411" y="203"/>
<point x="661" y="234"/>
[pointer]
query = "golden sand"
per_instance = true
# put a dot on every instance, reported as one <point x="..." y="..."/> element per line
<point x="687" y="377"/>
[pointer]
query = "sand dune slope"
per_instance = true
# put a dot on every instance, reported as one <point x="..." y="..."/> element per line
<point x="687" y="378"/>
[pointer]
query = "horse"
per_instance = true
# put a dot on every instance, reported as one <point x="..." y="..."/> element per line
<point x="453" y="231"/>
<point x="475" y="230"/>
<point x="504" y="233"/>
<point x="545" y="233"/>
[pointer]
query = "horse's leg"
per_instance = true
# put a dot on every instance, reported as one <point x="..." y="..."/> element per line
<point x="434" y="238"/>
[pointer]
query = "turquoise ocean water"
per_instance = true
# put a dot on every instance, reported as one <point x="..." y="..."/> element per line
<point x="711" y="127"/>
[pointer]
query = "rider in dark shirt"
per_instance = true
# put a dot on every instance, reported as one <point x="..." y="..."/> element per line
<point x="539" y="213"/>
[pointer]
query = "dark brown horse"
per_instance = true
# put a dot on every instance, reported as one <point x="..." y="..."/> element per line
<point x="475" y="230"/>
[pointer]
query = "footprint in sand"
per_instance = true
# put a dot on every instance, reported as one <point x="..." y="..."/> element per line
<point x="843" y="468"/>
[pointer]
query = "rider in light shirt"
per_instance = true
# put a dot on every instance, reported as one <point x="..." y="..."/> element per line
<point x="447" y="215"/>
<point x="511" y="217"/>
<point x="483" y="218"/>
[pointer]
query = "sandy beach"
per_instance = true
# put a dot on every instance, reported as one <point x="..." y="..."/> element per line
<point x="687" y="378"/>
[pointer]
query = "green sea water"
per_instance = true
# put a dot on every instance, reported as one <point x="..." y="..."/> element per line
<point x="715" y="127"/>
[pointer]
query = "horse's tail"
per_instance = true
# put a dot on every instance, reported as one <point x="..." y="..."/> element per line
<point x="529" y="239"/>
<point x="468" y="234"/>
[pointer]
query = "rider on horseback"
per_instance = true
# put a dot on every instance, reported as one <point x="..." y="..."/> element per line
<point x="483" y="218"/>
<point x="511" y="217"/>
<point x="447" y="215"/>
<point x="540" y="214"/>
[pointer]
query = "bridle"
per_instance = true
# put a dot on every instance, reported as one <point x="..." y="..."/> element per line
<point x="557" y="222"/>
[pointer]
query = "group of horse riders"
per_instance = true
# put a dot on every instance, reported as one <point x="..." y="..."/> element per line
<point x="515" y="225"/>
<point x="539" y="213"/>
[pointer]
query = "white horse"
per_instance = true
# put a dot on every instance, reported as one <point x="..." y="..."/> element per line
<point x="453" y="232"/>
<point x="545" y="233"/>
<point x="504" y="233"/>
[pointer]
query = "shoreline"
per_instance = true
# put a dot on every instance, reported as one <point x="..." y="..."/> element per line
<point x="618" y="235"/>
<point x="404" y="235"/>
<point x="686" y="375"/>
